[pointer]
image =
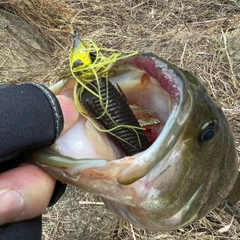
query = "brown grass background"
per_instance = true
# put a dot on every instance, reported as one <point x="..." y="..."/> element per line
<point x="201" y="36"/>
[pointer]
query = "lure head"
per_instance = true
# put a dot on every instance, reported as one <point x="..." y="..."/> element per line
<point x="80" y="55"/>
<point x="188" y="170"/>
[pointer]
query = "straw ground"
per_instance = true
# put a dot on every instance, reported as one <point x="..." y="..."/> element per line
<point x="201" y="36"/>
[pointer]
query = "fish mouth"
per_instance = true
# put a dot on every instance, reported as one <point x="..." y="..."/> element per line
<point x="149" y="84"/>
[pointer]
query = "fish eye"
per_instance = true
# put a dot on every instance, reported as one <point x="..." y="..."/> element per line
<point x="208" y="130"/>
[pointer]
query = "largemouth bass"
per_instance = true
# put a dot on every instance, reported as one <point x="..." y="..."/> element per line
<point x="190" y="167"/>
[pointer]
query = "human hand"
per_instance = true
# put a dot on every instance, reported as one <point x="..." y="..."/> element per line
<point x="25" y="191"/>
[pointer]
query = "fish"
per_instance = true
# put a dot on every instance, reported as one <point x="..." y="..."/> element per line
<point x="190" y="167"/>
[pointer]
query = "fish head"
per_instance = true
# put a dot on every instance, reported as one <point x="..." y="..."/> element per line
<point x="190" y="167"/>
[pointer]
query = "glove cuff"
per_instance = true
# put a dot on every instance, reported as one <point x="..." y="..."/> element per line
<point x="56" y="108"/>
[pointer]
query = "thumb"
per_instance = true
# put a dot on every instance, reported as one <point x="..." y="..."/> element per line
<point x="25" y="192"/>
<point x="70" y="112"/>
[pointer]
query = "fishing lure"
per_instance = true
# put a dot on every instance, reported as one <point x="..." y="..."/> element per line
<point x="97" y="98"/>
<point x="117" y="116"/>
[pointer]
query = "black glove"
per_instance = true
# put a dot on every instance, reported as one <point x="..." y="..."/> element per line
<point x="30" y="117"/>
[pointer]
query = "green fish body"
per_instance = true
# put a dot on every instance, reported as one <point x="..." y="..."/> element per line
<point x="189" y="169"/>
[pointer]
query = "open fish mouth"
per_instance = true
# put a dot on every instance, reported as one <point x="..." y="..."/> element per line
<point x="154" y="91"/>
<point x="151" y="95"/>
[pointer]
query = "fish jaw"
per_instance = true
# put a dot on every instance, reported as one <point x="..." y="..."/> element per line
<point x="154" y="220"/>
<point x="177" y="179"/>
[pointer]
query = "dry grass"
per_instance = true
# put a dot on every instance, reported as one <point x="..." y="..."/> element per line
<point x="202" y="36"/>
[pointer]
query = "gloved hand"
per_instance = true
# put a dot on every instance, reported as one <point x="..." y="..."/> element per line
<point x="30" y="116"/>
